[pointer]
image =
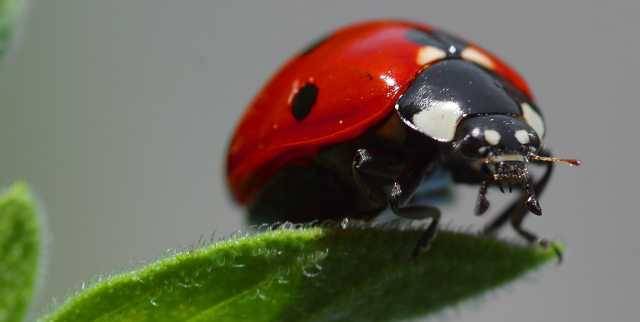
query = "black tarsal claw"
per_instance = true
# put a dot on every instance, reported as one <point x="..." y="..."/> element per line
<point x="482" y="206"/>
<point x="534" y="206"/>
<point x="557" y="250"/>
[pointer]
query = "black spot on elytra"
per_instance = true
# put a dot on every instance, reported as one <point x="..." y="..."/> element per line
<point x="422" y="38"/>
<point x="313" y="45"/>
<point x="303" y="101"/>
<point x="450" y="41"/>
<point x="451" y="44"/>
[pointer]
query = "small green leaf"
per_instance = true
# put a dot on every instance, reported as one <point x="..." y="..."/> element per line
<point x="19" y="252"/>
<point x="10" y="11"/>
<point x="312" y="274"/>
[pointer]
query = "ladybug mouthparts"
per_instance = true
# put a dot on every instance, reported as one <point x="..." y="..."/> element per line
<point x="511" y="169"/>
<point x="508" y="170"/>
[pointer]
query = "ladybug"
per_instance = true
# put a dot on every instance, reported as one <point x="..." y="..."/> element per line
<point x="362" y="119"/>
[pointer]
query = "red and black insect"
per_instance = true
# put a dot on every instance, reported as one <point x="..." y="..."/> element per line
<point x="358" y="121"/>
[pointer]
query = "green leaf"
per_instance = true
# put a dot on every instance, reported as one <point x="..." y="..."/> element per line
<point x="10" y="11"/>
<point x="311" y="274"/>
<point x="19" y="252"/>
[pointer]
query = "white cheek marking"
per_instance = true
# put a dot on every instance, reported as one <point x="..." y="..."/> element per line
<point x="477" y="57"/>
<point x="522" y="136"/>
<point x="439" y="121"/>
<point x="492" y="137"/>
<point x="429" y="54"/>
<point x="533" y="119"/>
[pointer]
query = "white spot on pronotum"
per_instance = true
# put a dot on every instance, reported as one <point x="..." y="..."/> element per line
<point x="439" y="120"/>
<point x="492" y="137"/>
<point x="429" y="54"/>
<point x="522" y="136"/>
<point x="533" y="119"/>
<point x="478" y="57"/>
<point x="476" y="132"/>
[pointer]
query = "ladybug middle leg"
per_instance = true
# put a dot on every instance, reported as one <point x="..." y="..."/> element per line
<point x="403" y="187"/>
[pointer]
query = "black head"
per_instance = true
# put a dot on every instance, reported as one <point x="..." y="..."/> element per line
<point x="500" y="146"/>
<point x="478" y="115"/>
<point x="489" y="137"/>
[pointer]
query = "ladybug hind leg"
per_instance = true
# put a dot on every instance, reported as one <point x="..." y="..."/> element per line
<point x="403" y="187"/>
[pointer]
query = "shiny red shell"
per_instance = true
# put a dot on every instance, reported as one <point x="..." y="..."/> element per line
<point x="360" y="72"/>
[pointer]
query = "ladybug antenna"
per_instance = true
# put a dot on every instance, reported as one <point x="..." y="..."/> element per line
<point x="571" y="162"/>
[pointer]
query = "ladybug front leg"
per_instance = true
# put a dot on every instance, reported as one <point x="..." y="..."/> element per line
<point x="517" y="211"/>
<point x="402" y="190"/>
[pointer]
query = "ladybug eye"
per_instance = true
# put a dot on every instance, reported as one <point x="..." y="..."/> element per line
<point x="528" y="139"/>
<point x="475" y="144"/>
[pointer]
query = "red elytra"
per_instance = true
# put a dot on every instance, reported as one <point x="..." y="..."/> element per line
<point x="360" y="72"/>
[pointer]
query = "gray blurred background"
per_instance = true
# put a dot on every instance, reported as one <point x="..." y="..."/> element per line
<point x="118" y="113"/>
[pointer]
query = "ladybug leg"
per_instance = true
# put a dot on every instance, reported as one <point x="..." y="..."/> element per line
<point x="402" y="191"/>
<point x="420" y="212"/>
<point x="364" y="164"/>
<point x="398" y="199"/>
<point x="403" y="187"/>
<point x="517" y="211"/>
